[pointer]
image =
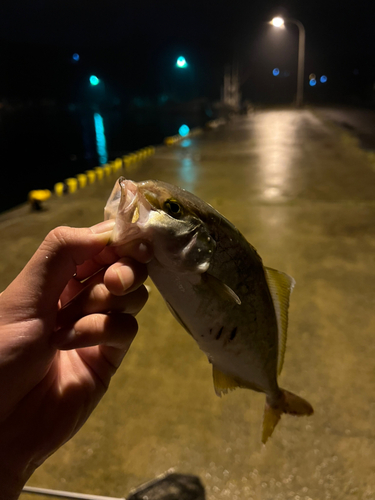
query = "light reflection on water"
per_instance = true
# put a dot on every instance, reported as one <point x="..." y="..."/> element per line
<point x="188" y="172"/>
<point x="101" y="143"/>
<point x="276" y="133"/>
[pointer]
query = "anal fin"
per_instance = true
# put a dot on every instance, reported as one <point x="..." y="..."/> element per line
<point x="224" y="382"/>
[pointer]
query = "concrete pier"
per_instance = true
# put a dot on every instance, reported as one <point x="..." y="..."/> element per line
<point x="303" y="193"/>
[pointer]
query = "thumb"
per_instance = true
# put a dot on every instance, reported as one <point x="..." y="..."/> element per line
<point x="38" y="287"/>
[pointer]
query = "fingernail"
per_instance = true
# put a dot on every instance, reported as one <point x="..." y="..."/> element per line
<point x="145" y="250"/>
<point x="124" y="285"/>
<point x="103" y="227"/>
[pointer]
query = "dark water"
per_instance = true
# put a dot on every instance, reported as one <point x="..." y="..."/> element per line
<point x="44" y="143"/>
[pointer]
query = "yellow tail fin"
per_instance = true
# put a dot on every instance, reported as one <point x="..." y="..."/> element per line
<point x="288" y="403"/>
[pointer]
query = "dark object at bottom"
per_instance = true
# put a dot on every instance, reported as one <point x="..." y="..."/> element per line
<point x="171" y="487"/>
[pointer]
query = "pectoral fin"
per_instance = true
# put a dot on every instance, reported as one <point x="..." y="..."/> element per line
<point x="280" y="286"/>
<point x="221" y="289"/>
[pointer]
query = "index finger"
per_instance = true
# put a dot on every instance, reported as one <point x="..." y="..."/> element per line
<point x="138" y="250"/>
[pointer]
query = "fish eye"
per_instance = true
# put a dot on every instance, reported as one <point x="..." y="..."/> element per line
<point x="173" y="208"/>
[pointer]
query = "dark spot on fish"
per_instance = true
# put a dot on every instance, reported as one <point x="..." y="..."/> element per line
<point x="218" y="335"/>
<point x="233" y="333"/>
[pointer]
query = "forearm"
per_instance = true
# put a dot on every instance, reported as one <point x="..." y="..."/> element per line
<point x="13" y="479"/>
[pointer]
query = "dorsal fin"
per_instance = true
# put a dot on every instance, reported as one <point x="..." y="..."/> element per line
<point x="281" y="286"/>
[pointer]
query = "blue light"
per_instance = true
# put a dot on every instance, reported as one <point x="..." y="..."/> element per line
<point x="312" y="82"/>
<point x="75" y="57"/>
<point x="181" y="62"/>
<point x="101" y="144"/>
<point x="275" y="71"/>
<point x="183" y="130"/>
<point x="94" y="80"/>
<point x="323" y="78"/>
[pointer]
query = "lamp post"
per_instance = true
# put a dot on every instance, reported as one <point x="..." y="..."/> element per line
<point x="278" y="22"/>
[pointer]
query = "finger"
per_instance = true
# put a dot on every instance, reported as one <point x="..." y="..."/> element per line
<point x="48" y="271"/>
<point x="113" y="330"/>
<point x="124" y="276"/>
<point x="97" y="299"/>
<point x="75" y="286"/>
<point x="106" y="257"/>
<point x="140" y="250"/>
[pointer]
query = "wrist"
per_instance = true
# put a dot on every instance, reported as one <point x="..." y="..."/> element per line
<point x="13" y="479"/>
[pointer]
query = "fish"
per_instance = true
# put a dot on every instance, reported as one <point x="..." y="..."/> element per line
<point x="216" y="286"/>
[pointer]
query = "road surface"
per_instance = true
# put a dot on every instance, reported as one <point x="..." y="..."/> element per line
<point x="302" y="192"/>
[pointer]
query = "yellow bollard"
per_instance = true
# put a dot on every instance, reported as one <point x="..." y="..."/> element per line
<point x="169" y="141"/>
<point x="72" y="184"/>
<point x="107" y="170"/>
<point x="99" y="173"/>
<point x="37" y="197"/>
<point x="59" y="189"/>
<point x="82" y="180"/>
<point x="91" y="176"/>
<point x="127" y="160"/>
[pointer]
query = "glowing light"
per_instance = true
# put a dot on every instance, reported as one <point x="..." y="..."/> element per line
<point x="101" y="144"/>
<point x="181" y="62"/>
<point x="275" y="71"/>
<point x="277" y="22"/>
<point x="183" y="130"/>
<point x="312" y="82"/>
<point x="75" y="57"/>
<point x="94" y="80"/>
<point x="323" y="78"/>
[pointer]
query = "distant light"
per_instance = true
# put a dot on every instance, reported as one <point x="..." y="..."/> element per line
<point x="312" y="82"/>
<point x="277" y="22"/>
<point x="94" y="80"/>
<point x="183" y="130"/>
<point x="75" y="57"/>
<point x="312" y="76"/>
<point x="323" y="78"/>
<point x="181" y="62"/>
<point x="275" y="71"/>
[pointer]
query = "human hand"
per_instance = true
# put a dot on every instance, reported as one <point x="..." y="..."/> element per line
<point x="61" y="341"/>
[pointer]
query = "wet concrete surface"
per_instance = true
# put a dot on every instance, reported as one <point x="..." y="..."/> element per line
<point x="359" y="121"/>
<point x="303" y="194"/>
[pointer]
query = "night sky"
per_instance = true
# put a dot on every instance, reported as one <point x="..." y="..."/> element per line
<point x="133" y="44"/>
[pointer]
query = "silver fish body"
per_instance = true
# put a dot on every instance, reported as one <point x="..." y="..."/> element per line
<point x="215" y="284"/>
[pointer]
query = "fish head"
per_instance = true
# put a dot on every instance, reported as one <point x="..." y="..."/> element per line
<point x="166" y="216"/>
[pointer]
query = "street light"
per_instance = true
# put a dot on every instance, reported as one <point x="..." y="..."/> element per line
<point x="278" y="22"/>
<point x="181" y="62"/>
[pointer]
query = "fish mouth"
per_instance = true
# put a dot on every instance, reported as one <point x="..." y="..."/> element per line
<point x="129" y="203"/>
<point x="130" y="209"/>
